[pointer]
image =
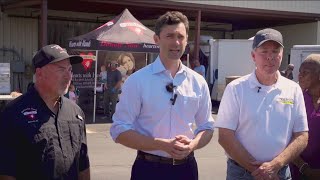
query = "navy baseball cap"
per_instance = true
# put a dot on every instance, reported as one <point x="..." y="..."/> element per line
<point x="265" y="35"/>
<point x="53" y="53"/>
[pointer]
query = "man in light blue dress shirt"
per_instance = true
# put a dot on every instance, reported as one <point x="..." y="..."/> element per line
<point x="164" y="110"/>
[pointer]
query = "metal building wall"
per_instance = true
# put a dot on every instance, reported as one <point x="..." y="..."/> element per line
<point x="59" y="31"/>
<point x="298" y="34"/>
<point x="18" y="41"/>
<point x="293" y="5"/>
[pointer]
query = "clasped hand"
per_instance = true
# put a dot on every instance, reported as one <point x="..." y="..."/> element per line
<point x="179" y="147"/>
<point x="266" y="171"/>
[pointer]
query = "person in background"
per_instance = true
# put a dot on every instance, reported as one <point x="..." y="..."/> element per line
<point x="262" y="118"/>
<point x="72" y="94"/>
<point x="112" y="89"/>
<point x="307" y="165"/>
<point x="164" y="110"/>
<point x="126" y="63"/>
<point x="103" y="79"/>
<point x="42" y="133"/>
<point x="199" y="68"/>
<point x="76" y="91"/>
<point x="288" y="72"/>
<point x="103" y="74"/>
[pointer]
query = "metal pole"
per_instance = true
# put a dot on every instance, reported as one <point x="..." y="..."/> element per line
<point x="43" y="23"/>
<point x="146" y="59"/>
<point x="197" y="37"/>
<point x="188" y="61"/>
<point x="95" y="88"/>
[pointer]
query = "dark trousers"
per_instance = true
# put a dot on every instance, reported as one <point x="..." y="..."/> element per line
<point x="112" y="98"/>
<point x="146" y="170"/>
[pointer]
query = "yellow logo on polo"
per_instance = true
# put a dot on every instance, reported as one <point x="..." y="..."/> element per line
<point x="286" y="101"/>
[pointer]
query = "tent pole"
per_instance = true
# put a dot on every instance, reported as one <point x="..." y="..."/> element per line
<point x="146" y="59"/>
<point x="95" y="88"/>
<point x="188" y="62"/>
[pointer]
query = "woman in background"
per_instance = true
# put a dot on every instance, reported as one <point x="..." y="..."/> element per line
<point x="72" y="94"/>
<point x="307" y="165"/>
<point x="126" y="63"/>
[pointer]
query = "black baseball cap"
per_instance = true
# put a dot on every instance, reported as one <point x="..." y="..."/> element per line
<point x="53" y="53"/>
<point x="265" y="35"/>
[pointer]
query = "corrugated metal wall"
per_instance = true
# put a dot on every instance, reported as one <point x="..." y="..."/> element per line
<point x="18" y="40"/>
<point x="294" y="6"/>
<point x="19" y="34"/>
<point x="60" y="31"/>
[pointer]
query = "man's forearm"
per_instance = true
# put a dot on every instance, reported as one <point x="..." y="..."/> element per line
<point x="298" y="144"/>
<point x="85" y="174"/>
<point x="133" y="139"/>
<point x="235" y="149"/>
<point x="202" y="139"/>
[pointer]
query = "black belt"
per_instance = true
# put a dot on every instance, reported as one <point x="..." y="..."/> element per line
<point x="164" y="160"/>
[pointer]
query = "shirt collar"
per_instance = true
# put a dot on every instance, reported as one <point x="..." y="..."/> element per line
<point x="254" y="83"/>
<point x="35" y="94"/>
<point x="158" y="67"/>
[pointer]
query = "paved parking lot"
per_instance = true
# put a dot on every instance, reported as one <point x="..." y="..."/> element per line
<point x="110" y="161"/>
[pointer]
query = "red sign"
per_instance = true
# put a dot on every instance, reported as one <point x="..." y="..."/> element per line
<point x="87" y="60"/>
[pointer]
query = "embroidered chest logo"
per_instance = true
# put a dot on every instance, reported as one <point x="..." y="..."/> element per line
<point x="286" y="101"/>
<point x="30" y="114"/>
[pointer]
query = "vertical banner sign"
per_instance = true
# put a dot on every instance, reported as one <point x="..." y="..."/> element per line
<point x="83" y="79"/>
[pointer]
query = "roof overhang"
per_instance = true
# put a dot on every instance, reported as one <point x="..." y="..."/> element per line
<point x="240" y="18"/>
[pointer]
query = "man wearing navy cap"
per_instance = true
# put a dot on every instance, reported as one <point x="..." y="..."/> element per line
<point x="42" y="133"/>
<point x="262" y="118"/>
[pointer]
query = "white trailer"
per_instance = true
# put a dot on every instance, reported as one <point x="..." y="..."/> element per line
<point x="298" y="54"/>
<point x="228" y="58"/>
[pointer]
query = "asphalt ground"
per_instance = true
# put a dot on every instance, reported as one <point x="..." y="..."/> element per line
<point x="111" y="161"/>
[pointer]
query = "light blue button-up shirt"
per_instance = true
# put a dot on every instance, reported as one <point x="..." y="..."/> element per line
<point x="145" y="104"/>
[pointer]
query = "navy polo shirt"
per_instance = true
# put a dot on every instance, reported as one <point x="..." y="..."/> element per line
<point x="37" y="144"/>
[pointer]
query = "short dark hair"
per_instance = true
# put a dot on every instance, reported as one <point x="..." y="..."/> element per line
<point x="171" y="18"/>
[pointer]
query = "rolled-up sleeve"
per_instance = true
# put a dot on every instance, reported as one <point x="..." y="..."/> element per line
<point x="127" y="109"/>
<point x="203" y="117"/>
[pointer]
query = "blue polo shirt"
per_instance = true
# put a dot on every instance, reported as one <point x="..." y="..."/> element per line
<point x="37" y="144"/>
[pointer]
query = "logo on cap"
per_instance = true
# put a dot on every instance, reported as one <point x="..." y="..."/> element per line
<point x="58" y="48"/>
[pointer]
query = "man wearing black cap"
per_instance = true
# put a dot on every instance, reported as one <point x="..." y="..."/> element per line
<point x="42" y="133"/>
<point x="262" y="118"/>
